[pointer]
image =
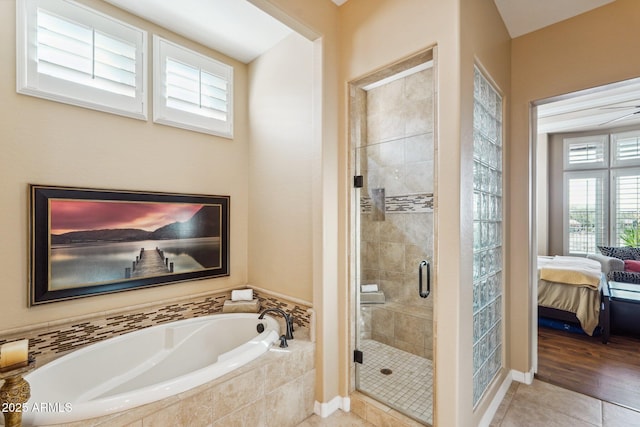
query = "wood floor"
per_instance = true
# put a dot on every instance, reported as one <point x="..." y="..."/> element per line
<point x="609" y="372"/>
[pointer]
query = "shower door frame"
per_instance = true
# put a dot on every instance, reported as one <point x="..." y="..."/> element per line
<point x="357" y="131"/>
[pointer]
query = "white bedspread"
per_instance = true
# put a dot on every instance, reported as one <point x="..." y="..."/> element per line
<point x="570" y="270"/>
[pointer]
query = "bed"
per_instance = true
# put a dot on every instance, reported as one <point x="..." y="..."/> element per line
<point x="570" y="289"/>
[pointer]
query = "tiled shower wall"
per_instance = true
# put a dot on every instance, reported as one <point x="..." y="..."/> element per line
<point x="397" y="160"/>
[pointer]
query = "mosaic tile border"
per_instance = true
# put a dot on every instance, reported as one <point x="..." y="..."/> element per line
<point x="49" y="342"/>
<point x="411" y="203"/>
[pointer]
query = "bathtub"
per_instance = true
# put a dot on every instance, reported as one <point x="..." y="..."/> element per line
<point x="144" y="366"/>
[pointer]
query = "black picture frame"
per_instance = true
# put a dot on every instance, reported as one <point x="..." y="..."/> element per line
<point x="86" y="241"/>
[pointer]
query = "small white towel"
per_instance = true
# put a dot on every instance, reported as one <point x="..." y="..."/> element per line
<point x="252" y="306"/>
<point x="369" y="288"/>
<point x="242" y="295"/>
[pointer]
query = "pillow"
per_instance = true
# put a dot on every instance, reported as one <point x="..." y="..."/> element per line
<point x="623" y="276"/>
<point x="632" y="265"/>
<point x="621" y="252"/>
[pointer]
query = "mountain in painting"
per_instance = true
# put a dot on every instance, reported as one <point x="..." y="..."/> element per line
<point x="204" y="223"/>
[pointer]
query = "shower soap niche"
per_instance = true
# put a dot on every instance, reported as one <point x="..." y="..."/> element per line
<point x="372" y="297"/>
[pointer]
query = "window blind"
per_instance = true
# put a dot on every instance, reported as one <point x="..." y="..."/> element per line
<point x="585" y="152"/>
<point x="195" y="91"/>
<point x="586" y="215"/>
<point x="626" y="148"/>
<point x="627" y="204"/>
<point x="80" y="54"/>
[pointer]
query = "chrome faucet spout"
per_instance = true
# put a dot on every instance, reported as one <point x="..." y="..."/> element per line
<point x="288" y="320"/>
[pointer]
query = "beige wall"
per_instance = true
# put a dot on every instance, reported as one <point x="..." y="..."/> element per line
<point x="490" y="51"/>
<point x="280" y="158"/>
<point x="317" y="21"/>
<point x="589" y="50"/>
<point x="45" y="142"/>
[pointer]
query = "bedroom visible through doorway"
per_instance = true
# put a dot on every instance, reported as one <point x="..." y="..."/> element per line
<point x="587" y="180"/>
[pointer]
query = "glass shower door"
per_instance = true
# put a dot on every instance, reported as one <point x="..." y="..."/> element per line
<point x="395" y="228"/>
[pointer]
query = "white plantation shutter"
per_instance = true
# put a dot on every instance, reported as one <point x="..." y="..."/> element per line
<point x="76" y="53"/>
<point x="596" y="213"/>
<point x="585" y="211"/>
<point x="70" y="53"/>
<point x="626" y="202"/>
<point x="626" y="148"/>
<point x="195" y="91"/>
<point x="585" y="152"/>
<point x="192" y="91"/>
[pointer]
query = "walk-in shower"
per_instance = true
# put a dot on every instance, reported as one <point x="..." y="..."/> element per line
<point x="392" y="125"/>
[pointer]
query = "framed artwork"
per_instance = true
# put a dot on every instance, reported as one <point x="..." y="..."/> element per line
<point x="86" y="242"/>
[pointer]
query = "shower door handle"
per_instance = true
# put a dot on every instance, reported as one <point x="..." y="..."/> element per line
<point x="424" y="263"/>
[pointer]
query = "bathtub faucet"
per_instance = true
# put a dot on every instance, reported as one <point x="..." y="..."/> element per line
<point x="288" y="320"/>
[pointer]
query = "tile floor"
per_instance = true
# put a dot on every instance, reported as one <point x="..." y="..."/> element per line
<point x="409" y="386"/>
<point x="545" y="405"/>
<point x="537" y="405"/>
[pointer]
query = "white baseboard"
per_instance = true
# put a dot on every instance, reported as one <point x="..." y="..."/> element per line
<point x="323" y="410"/>
<point x="495" y="403"/>
<point x="523" y="377"/>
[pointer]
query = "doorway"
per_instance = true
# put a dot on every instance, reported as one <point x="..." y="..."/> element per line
<point x="393" y="204"/>
<point x="566" y="127"/>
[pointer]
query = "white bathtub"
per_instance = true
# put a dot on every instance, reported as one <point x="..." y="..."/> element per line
<point x="144" y="366"/>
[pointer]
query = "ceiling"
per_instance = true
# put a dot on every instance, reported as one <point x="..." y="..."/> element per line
<point x="242" y="31"/>
<point x="524" y="16"/>
<point x="235" y="28"/>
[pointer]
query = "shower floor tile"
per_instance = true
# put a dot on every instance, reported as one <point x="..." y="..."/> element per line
<point x="409" y="386"/>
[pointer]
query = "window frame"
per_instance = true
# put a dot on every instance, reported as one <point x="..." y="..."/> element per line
<point x="163" y="114"/>
<point x="30" y="82"/>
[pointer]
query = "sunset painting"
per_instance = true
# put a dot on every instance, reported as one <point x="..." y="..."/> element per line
<point x="92" y="242"/>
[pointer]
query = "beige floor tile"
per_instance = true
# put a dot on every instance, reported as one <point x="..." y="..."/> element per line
<point x="504" y="405"/>
<point x="337" y="419"/>
<point x="544" y="397"/>
<point x="616" y="416"/>
<point x="519" y="415"/>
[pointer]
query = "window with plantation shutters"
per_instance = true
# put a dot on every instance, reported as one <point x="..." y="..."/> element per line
<point x="626" y="148"/>
<point x="192" y="91"/>
<point x="585" y="152"/>
<point x="601" y="199"/>
<point x="70" y="53"/>
<point x="585" y="212"/>
<point x="626" y="206"/>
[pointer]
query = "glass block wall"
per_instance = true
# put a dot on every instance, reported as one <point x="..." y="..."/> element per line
<point x="487" y="234"/>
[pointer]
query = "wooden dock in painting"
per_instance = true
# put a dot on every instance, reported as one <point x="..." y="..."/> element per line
<point x="149" y="263"/>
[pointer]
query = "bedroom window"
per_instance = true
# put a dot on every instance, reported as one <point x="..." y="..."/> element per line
<point x="192" y="91"/>
<point x="625" y="149"/>
<point x="601" y="191"/>
<point x="585" y="212"/>
<point x="587" y="152"/>
<point x="626" y="207"/>
<point x="69" y="53"/>
<point x="487" y="234"/>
